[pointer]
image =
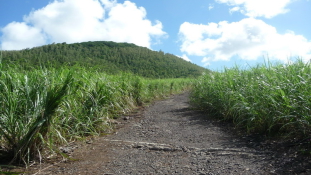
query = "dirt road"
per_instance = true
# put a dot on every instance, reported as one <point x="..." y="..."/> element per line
<point x="170" y="138"/>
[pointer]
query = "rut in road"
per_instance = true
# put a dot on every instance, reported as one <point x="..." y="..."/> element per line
<point x="168" y="138"/>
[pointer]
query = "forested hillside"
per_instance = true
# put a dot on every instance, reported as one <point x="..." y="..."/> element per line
<point x="105" y="56"/>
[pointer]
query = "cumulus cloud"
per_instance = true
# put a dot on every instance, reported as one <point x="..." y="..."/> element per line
<point x="83" y="20"/>
<point x="18" y="35"/>
<point x="258" y="8"/>
<point x="249" y="39"/>
<point x="127" y="22"/>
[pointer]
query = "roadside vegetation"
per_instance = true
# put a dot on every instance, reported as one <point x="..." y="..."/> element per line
<point x="267" y="99"/>
<point x="43" y="108"/>
<point x="57" y="93"/>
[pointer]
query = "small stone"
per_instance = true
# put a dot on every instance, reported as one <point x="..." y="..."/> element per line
<point x="89" y="141"/>
<point x="113" y="122"/>
<point x="126" y="118"/>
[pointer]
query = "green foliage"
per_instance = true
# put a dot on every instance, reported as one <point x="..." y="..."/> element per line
<point x="266" y="99"/>
<point x="55" y="93"/>
<point x="108" y="57"/>
<point x="42" y="108"/>
<point x="28" y="103"/>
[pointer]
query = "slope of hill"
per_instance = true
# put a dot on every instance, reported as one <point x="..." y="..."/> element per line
<point x="106" y="56"/>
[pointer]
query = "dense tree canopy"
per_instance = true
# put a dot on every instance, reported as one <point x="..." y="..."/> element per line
<point x="107" y="56"/>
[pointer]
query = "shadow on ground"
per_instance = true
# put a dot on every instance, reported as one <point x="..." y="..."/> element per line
<point x="286" y="156"/>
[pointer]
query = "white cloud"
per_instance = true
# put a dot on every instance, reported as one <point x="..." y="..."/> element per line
<point x="20" y="35"/>
<point x="192" y="36"/>
<point x="249" y="39"/>
<point x="206" y="61"/>
<point x="185" y="57"/>
<point x="127" y="22"/>
<point x="85" y="20"/>
<point x="69" y="21"/>
<point x="210" y="6"/>
<point x="258" y="8"/>
<point x="108" y="4"/>
<point x="234" y="9"/>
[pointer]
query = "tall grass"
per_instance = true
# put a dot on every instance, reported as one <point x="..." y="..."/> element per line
<point x="43" y="108"/>
<point x="28" y="103"/>
<point x="271" y="99"/>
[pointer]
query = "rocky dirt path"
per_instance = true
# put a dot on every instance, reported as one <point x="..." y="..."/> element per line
<point x="170" y="138"/>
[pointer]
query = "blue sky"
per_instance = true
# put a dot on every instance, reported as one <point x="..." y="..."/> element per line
<point x="210" y="33"/>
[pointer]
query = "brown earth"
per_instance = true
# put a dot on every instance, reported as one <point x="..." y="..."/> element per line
<point x="168" y="137"/>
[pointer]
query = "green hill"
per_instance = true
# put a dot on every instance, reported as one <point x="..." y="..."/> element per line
<point x="106" y="56"/>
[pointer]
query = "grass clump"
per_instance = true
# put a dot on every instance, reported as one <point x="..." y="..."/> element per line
<point x="270" y="99"/>
<point x="28" y="104"/>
